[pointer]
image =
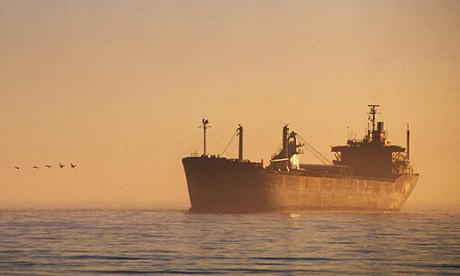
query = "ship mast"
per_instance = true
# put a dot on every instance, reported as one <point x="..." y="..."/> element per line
<point x="408" y="141"/>
<point x="372" y="112"/>
<point x="240" y="144"/>
<point x="205" y="126"/>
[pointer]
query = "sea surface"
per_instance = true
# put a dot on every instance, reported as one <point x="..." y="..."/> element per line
<point x="91" y="242"/>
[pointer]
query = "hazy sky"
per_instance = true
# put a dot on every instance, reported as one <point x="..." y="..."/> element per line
<point x="119" y="88"/>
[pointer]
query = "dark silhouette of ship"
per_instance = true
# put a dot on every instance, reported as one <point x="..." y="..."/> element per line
<point x="368" y="174"/>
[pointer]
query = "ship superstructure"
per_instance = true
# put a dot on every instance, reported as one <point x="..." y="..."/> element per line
<point x="374" y="156"/>
<point x="367" y="175"/>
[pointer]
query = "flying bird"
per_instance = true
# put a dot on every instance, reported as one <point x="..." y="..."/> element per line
<point x="35" y="167"/>
<point x="60" y="165"/>
<point x="48" y="166"/>
<point x="72" y="165"/>
<point x="17" y="168"/>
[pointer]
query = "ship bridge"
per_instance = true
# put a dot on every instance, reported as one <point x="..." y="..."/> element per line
<point x="374" y="156"/>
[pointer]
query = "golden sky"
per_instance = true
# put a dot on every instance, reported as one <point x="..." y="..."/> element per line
<point x="120" y="87"/>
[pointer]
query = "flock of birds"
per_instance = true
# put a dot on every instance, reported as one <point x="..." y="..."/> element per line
<point x="48" y="166"/>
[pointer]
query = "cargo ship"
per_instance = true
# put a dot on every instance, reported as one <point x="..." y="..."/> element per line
<point x="368" y="174"/>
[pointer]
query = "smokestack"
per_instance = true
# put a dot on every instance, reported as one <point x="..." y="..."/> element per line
<point x="285" y="141"/>
<point x="240" y="147"/>
<point x="380" y="127"/>
<point x="381" y="132"/>
<point x="408" y="141"/>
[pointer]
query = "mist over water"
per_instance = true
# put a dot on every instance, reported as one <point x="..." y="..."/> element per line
<point x="147" y="242"/>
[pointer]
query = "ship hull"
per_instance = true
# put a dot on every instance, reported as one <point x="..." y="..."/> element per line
<point x="219" y="185"/>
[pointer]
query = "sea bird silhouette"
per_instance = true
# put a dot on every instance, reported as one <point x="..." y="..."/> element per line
<point x="17" y="168"/>
<point x="60" y="165"/>
<point x="72" y="165"/>
<point x="35" y="167"/>
<point x="48" y="166"/>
